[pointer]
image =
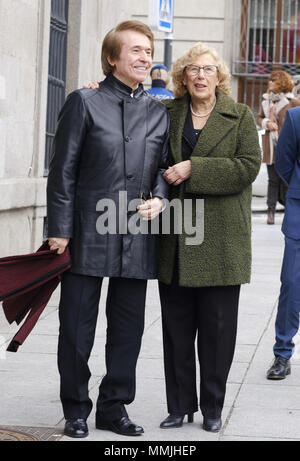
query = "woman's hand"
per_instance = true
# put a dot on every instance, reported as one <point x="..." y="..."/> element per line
<point x="58" y="243"/>
<point x="151" y="208"/>
<point x="178" y="173"/>
<point x="271" y="126"/>
<point x="92" y="86"/>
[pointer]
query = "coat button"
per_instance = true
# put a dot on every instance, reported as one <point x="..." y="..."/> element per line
<point x="130" y="176"/>
<point x="127" y="138"/>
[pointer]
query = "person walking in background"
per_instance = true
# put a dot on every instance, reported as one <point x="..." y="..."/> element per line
<point x="287" y="165"/>
<point x="215" y="156"/>
<point x="160" y="78"/>
<point x="276" y="102"/>
<point x="107" y="140"/>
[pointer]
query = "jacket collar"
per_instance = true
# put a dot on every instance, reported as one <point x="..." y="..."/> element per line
<point x="277" y="96"/>
<point x="120" y="89"/>
<point x="280" y="100"/>
<point x="222" y="120"/>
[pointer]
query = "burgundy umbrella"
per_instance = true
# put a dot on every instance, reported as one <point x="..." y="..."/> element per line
<point x="26" y="285"/>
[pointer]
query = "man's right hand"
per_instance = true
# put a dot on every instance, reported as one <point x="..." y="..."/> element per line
<point x="58" y="243"/>
<point x="92" y="86"/>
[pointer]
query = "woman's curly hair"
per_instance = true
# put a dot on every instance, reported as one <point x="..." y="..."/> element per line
<point x="283" y="82"/>
<point x="188" y="58"/>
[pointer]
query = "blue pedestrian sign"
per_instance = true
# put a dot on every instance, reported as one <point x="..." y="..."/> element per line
<point x="165" y="15"/>
<point x="160" y="16"/>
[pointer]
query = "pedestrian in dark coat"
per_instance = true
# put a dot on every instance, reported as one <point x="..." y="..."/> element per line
<point x="215" y="157"/>
<point x="110" y="148"/>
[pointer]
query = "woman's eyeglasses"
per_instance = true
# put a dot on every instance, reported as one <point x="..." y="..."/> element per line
<point x="207" y="70"/>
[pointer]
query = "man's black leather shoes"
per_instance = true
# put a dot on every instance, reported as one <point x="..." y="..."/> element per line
<point x="280" y="368"/>
<point x="76" y="428"/>
<point x="121" y="426"/>
<point x="212" y="425"/>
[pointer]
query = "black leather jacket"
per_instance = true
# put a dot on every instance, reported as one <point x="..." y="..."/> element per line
<point x="107" y="140"/>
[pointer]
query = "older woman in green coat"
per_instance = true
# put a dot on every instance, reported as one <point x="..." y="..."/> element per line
<point x="214" y="158"/>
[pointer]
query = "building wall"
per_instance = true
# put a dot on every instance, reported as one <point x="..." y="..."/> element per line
<point x="24" y="35"/>
<point x="194" y="21"/>
<point x="210" y="22"/>
<point x="24" y="49"/>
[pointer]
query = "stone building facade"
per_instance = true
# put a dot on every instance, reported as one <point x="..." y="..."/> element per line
<point x="25" y="43"/>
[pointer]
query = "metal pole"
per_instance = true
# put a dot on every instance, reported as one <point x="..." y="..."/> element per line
<point x="168" y="50"/>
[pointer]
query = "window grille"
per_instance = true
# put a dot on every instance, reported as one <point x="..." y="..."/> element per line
<point x="267" y="37"/>
<point x="57" y="70"/>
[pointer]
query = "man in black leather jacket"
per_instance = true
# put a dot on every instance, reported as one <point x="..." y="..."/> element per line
<point x="109" y="142"/>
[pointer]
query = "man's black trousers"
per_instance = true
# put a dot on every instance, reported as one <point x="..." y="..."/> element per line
<point x="78" y="310"/>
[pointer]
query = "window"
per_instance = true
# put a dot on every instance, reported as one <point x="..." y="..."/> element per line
<point x="267" y="38"/>
<point x="56" y="75"/>
<point x="57" y="70"/>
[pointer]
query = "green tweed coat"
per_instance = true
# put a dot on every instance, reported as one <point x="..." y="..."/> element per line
<point x="225" y="162"/>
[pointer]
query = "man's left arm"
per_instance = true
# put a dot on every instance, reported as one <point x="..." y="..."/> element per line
<point x="286" y="149"/>
<point x="160" y="191"/>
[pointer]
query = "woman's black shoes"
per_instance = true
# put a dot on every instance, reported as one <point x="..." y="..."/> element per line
<point x="173" y="421"/>
<point x="212" y="425"/>
<point x="76" y="428"/>
<point x="209" y="424"/>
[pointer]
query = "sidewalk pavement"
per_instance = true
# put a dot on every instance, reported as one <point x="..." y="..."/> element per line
<point x="255" y="408"/>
